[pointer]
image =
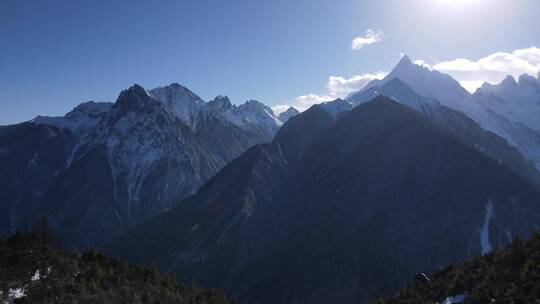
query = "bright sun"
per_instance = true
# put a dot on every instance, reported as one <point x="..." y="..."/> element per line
<point x="456" y="2"/>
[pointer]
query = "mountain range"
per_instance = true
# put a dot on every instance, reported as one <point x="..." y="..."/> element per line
<point x="339" y="209"/>
<point x="508" y="109"/>
<point x="339" y="203"/>
<point x="105" y="167"/>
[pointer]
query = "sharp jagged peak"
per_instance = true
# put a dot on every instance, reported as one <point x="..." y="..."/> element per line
<point x="528" y="80"/>
<point x="291" y="110"/>
<point x="133" y="91"/>
<point x="405" y="61"/>
<point x="255" y="104"/>
<point x="176" y="92"/>
<point x="136" y="97"/>
<point x="509" y="81"/>
<point x="221" y="103"/>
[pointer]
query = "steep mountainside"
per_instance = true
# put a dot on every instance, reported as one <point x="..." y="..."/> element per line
<point x="32" y="271"/>
<point x="434" y="84"/>
<point x="457" y="123"/>
<point x="508" y="275"/>
<point x="27" y="168"/>
<point x="339" y="210"/>
<point x="105" y="167"/>
<point x="518" y="102"/>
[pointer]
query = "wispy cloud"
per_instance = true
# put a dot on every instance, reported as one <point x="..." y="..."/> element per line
<point x="492" y="68"/>
<point x="370" y="37"/>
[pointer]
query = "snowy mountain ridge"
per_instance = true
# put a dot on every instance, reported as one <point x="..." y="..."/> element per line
<point x="252" y="116"/>
<point x="509" y="109"/>
<point x="124" y="162"/>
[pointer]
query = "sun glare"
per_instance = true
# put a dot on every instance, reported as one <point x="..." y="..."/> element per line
<point x="456" y="2"/>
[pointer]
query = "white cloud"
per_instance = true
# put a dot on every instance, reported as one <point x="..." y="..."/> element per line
<point x="371" y="37"/>
<point x="303" y="102"/>
<point x="278" y="109"/>
<point x="492" y="68"/>
<point x="340" y="87"/>
<point x="336" y="87"/>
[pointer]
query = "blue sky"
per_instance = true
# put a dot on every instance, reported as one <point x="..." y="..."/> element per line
<point x="56" y="54"/>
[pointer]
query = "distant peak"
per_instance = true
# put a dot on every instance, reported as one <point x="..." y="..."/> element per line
<point x="405" y="60"/>
<point x="91" y="108"/>
<point x="287" y="114"/>
<point x="137" y="90"/>
<point x="220" y="102"/>
<point x="292" y="110"/>
<point x="509" y="80"/>
<point x="133" y="98"/>
<point x="222" y="99"/>
<point x="525" y="78"/>
<point x="251" y="104"/>
<point x="176" y="86"/>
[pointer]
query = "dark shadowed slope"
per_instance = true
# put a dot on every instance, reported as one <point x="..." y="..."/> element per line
<point x="338" y="211"/>
<point x="30" y="158"/>
<point x="457" y="123"/>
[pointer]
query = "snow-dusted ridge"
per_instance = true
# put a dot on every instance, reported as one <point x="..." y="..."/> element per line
<point x="151" y="148"/>
<point x="79" y="120"/>
<point x="251" y="116"/>
<point x="510" y="109"/>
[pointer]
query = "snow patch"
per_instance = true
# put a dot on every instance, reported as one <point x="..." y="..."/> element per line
<point x="36" y="276"/>
<point x="484" y="234"/>
<point x="281" y="153"/>
<point x="15" y="293"/>
<point x="454" y="299"/>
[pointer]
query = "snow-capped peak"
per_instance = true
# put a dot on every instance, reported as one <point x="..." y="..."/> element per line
<point x="335" y="107"/>
<point x="397" y="90"/>
<point x="254" y="111"/>
<point x="429" y="83"/>
<point x="287" y="114"/>
<point x="185" y="104"/>
<point x="79" y="120"/>
<point x="405" y="61"/>
<point x="220" y="103"/>
<point x="91" y="108"/>
<point x="518" y="102"/>
<point x="133" y="99"/>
